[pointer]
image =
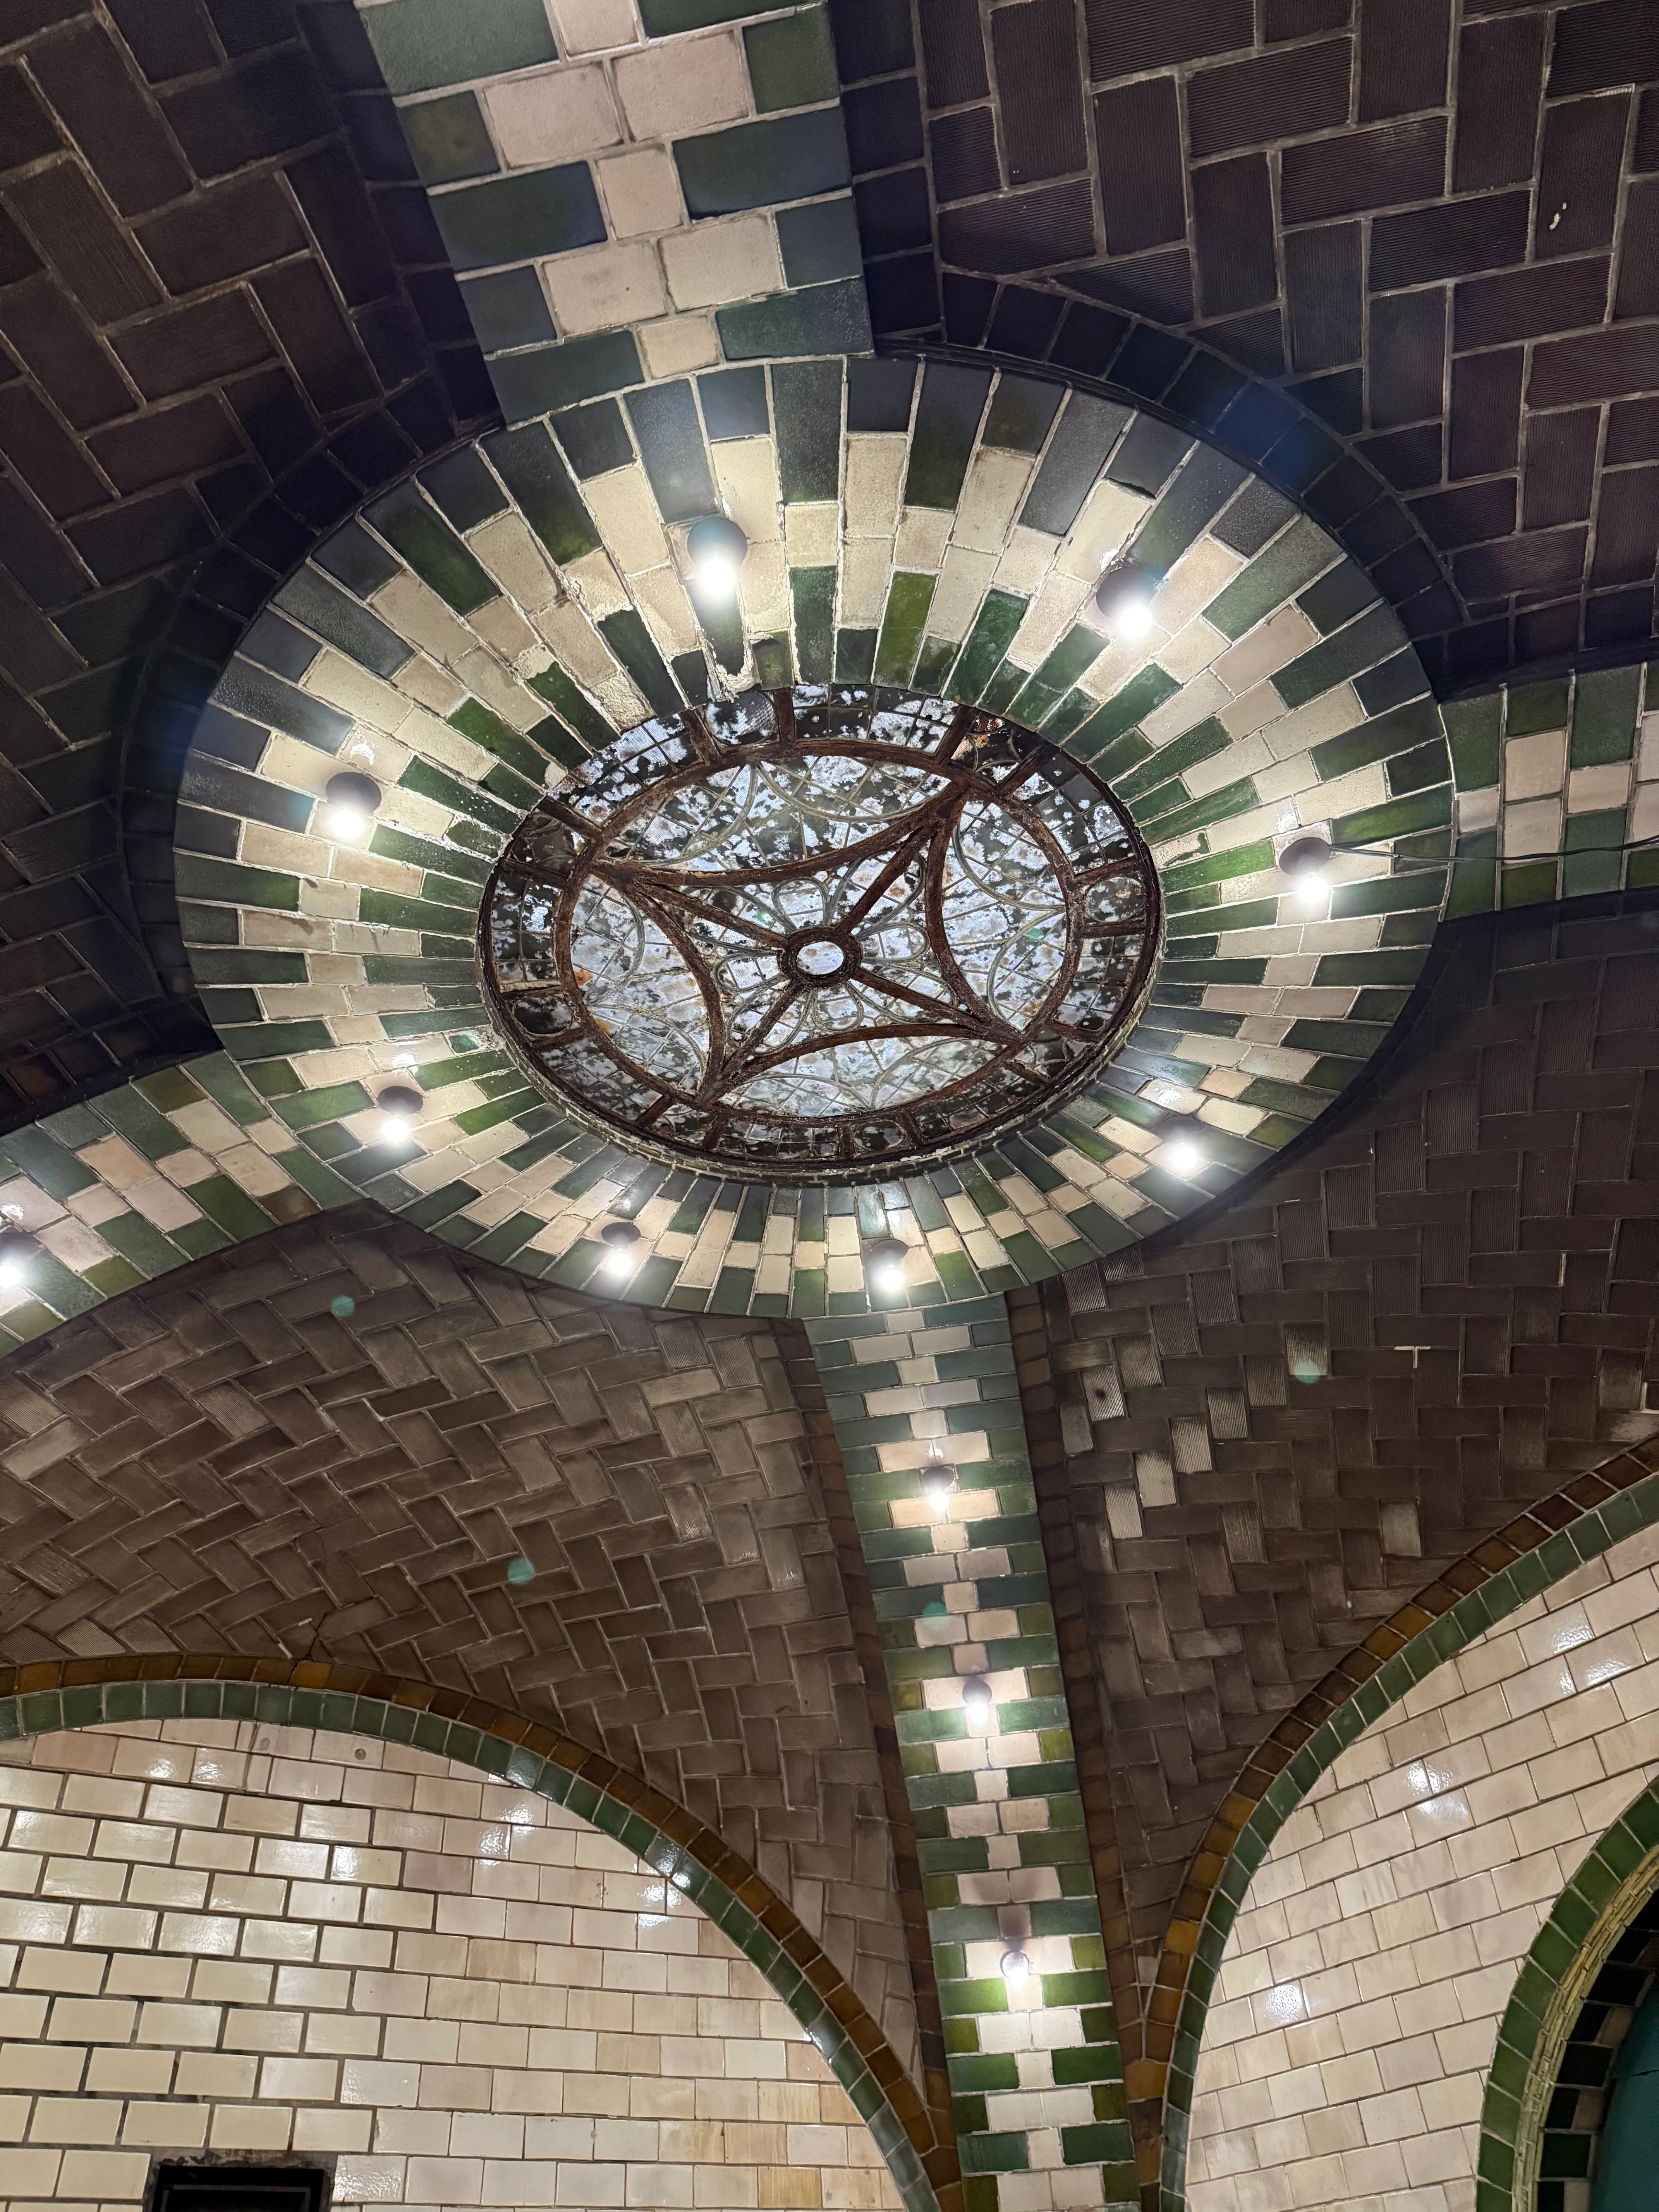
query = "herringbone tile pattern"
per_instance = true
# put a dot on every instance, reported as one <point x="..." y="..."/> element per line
<point x="1255" y="1441"/>
<point x="224" y="1463"/>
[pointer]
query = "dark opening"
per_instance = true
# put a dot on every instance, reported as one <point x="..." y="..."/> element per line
<point x="230" y="2188"/>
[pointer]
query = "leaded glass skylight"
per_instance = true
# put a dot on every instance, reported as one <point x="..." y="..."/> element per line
<point x="824" y="933"/>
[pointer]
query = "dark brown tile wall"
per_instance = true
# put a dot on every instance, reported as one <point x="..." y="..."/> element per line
<point x="1313" y="193"/>
<point x="1444" y="1311"/>
<point x="225" y="317"/>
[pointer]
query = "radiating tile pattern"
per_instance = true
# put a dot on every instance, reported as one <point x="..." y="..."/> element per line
<point x="630" y="192"/>
<point x="1035" y="2070"/>
<point x="1558" y="790"/>
<point x="588" y="1515"/>
<point x="478" y="633"/>
<point x="233" y="1936"/>
<point x="1375" y="1948"/>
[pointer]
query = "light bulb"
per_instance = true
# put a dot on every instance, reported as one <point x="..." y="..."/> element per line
<point x="1311" y="887"/>
<point x="394" y="1128"/>
<point x="717" y="577"/>
<point x="938" y="1486"/>
<point x="976" y="1701"/>
<point x="1123" y="599"/>
<point x="1016" y="1969"/>
<point x="13" y="1273"/>
<point x="883" y="1264"/>
<point x="346" y="823"/>
<point x="1184" y="1159"/>
<point x="619" y="1239"/>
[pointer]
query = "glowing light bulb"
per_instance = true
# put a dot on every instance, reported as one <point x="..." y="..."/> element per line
<point x="1184" y="1159"/>
<point x="1016" y="1969"/>
<point x="976" y="1701"/>
<point x="716" y="548"/>
<point x="400" y="1105"/>
<point x="938" y="1486"/>
<point x="1123" y="599"/>
<point x="13" y="1272"/>
<point x="1311" y="887"/>
<point x="350" y="800"/>
<point x="717" y="577"/>
<point x="884" y="1266"/>
<point x="619" y="1239"/>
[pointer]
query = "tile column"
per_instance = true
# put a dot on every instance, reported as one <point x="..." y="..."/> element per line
<point x="961" y="1591"/>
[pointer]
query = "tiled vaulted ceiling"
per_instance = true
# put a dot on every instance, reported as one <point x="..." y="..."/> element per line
<point x="225" y="315"/>
<point x="1430" y="232"/>
<point x="1333" y="234"/>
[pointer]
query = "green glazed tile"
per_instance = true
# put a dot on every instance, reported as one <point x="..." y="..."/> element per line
<point x="448" y="139"/>
<point x="761" y="164"/>
<point x="421" y="44"/>
<point x="517" y="218"/>
<point x="791" y="62"/>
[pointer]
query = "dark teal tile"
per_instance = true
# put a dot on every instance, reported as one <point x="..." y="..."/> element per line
<point x="322" y="606"/>
<point x="814" y="592"/>
<point x="448" y="139"/>
<point x="754" y="165"/>
<point x="431" y="548"/>
<point x="528" y="464"/>
<point x="421" y="44"/>
<point x="1022" y="411"/>
<point x="989" y="640"/>
<point x="791" y="62"/>
<point x="1362" y="643"/>
<point x="734" y="403"/>
<point x="547" y="211"/>
<point x="947" y="417"/>
<point x="662" y="18"/>
<point x="806" y="403"/>
<point x="670" y="439"/>
<point x="820" y="242"/>
<point x="855" y="655"/>
<point x="1291" y="562"/>
<point x="508" y="308"/>
<point x="1085" y="434"/>
<point x="628" y="637"/>
<point x="824" y="318"/>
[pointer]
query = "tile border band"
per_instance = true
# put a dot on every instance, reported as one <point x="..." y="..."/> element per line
<point x="43" y="1696"/>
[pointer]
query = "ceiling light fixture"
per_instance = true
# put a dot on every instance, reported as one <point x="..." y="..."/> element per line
<point x="716" y="548"/>
<point x="976" y="1701"/>
<point x="1306" y="862"/>
<point x="1123" y="599"/>
<point x="17" y="1252"/>
<point x="400" y="1104"/>
<point x="884" y="1265"/>
<point x="1184" y="1158"/>
<point x="351" y="799"/>
<point x="619" y="1239"/>
<point x="939" y="1485"/>
<point x="1016" y="1969"/>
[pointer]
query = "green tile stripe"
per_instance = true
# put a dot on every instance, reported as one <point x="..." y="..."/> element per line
<point x="1604" y="1896"/>
<point x="109" y="1217"/>
<point x="954" y="1598"/>
<point x="1587" y="1536"/>
<point x="532" y="1757"/>
<point x="1598" y="712"/>
<point x="418" y="569"/>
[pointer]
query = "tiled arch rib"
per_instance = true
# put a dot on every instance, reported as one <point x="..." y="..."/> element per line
<point x="479" y="631"/>
<point x="356" y="1700"/>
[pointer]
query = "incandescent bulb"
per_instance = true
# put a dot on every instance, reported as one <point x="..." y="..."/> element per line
<point x="1184" y="1159"/>
<point x="346" y="823"/>
<point x="1016" y="1969"/>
